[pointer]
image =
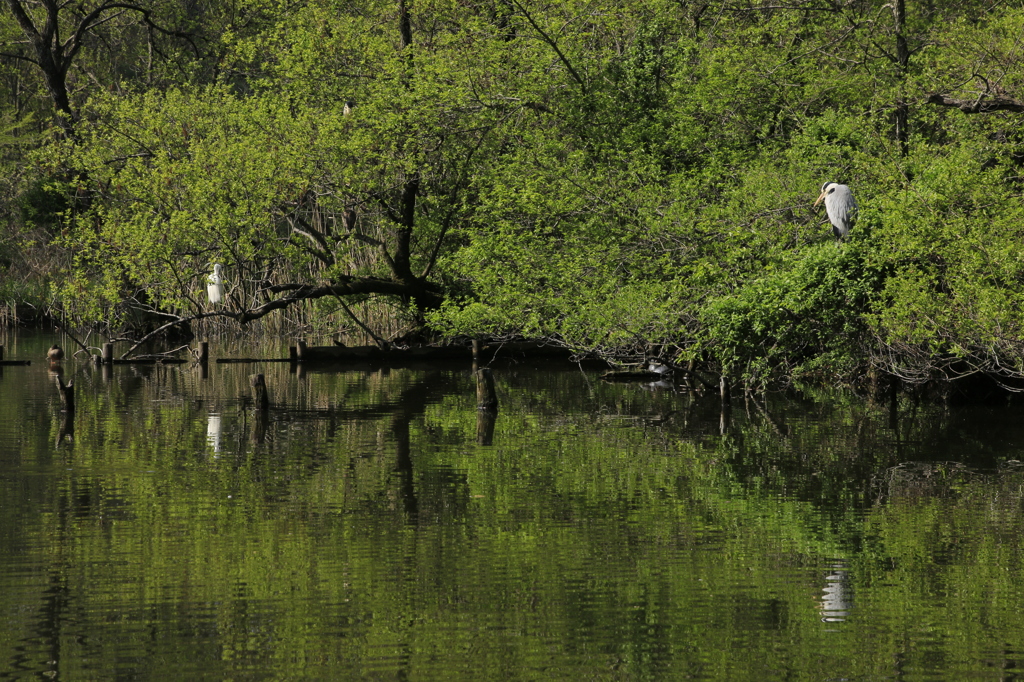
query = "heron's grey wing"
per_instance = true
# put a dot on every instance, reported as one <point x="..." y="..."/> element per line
<point x="841" y="206"/>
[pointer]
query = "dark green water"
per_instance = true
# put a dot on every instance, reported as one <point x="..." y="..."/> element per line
<point x="361" y="531"/>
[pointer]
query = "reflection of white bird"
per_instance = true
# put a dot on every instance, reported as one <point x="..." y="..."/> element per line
<point x="213" y="432"/>
<point x="836" y="598"/>
<point x="215" y="288"/>
<point x="841" y="207"/>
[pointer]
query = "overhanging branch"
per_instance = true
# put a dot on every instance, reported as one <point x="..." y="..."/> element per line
<point x="425" y="294"/>
<point x="985" y="104"/>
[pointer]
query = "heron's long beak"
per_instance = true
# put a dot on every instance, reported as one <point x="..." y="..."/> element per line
<point x="819" y="200"/>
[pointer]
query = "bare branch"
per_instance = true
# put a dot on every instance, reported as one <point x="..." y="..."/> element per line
<point x="554" y="46"/>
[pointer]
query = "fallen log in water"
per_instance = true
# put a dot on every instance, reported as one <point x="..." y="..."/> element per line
<point x="10" y="363"/>
<point x="139" y="361"/>
<point x="302" y="353"/>
<point x="632" y="375"/>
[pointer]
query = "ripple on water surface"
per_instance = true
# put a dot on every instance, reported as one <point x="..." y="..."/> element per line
<point x="370" y="524"/>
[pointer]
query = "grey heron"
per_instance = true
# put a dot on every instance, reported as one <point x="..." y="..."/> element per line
<point x="841" y="207"/>
<point x="215" y="286"/>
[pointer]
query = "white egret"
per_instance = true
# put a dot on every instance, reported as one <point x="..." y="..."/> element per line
<point x="215" y="288"/>
<point x="841" y="207"/>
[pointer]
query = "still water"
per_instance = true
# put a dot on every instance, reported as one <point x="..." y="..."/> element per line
<point x="370" y="526"/>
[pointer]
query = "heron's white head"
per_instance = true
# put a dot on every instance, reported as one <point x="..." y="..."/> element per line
<point x="825" y="189"/>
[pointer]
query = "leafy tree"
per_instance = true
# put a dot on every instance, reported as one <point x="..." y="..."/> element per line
<point x="627" y="181"/>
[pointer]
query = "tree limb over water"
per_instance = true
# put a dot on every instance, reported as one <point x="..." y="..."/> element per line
<point x="985" y="104"/>
<point x="425" y="294"/>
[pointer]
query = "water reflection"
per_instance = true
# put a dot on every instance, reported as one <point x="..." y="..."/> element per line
<point x="837" y="595"/>
<point x="375" y="523"/>
<point x="213" y="432"/>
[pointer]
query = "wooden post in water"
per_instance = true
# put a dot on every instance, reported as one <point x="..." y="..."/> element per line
<point x="485" y="426"/>
<point x="723" y="388"/>
<point x="1" y="353"/>
<point x="203" y="355"/>
<point x="486" y="398"/>
<point x="293" y="354"/>
<point x="262" y="399"/>
<point x="476" y="354"/>
<point x="300" y="349"/>
<point x="67" y="394"/>
<point x="259" y="391"/>
<point x="108" y="353"/>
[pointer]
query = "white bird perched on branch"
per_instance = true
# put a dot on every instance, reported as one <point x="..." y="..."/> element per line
<point x="215" y="288"/>
<point x="841" y="207"/>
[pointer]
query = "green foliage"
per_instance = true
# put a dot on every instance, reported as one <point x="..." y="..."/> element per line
<point x="631" y="179"/>
<point x="804" y="316"/>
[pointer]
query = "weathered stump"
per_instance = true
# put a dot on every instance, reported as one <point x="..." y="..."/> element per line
<point x="259" y="391"/>
<point x="486" y="397"/>
<point x="203" y="352"/>
<point x="476" y="354"/>
<point x="108" y="353"/>
<point x="485" y="420"/>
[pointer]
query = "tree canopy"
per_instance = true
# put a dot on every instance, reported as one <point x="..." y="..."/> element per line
<point x="623" y="178"/>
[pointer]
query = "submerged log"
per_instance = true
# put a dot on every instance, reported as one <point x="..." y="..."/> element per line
<point x="158" y="360"/>
<point x="11" y="363"/>
<point x="303" y="353"/>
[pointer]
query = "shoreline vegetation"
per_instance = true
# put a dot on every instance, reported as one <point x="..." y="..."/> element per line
<point x="628" y="182"/>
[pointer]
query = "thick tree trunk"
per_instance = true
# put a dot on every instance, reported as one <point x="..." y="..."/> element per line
<point x="402" y="261"/>
<point x="50" y="57"/>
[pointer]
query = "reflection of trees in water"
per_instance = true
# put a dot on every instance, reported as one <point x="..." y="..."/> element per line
<point x="390" y="478"/>
<point x="922" y="479"/>
<point x="908" y="481"/>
